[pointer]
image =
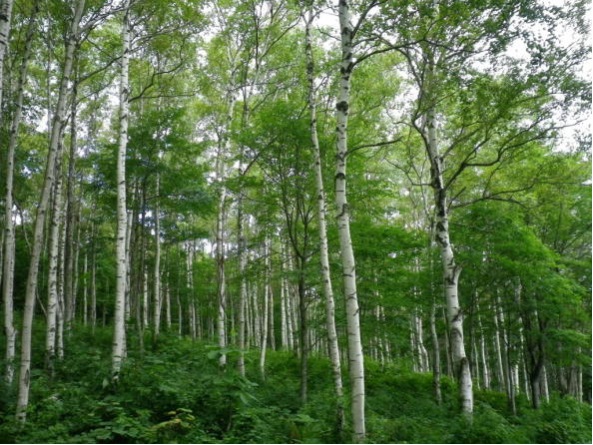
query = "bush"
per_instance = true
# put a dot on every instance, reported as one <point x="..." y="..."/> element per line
<point x="564" y="420"/>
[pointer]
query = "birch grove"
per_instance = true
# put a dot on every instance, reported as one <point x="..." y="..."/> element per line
<point x="169" y="170"/>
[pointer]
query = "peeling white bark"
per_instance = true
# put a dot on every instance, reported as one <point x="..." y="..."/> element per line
<point x="9" y="237"/>
<point x="328" y="293"/>
<point x="58" y="123"/>
<point x="119" y="333"/>
<point x="451" y="270"/>
<point x="355" y="354"/>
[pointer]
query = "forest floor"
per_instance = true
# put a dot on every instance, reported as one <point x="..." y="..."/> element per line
<point x="174" y="392"/>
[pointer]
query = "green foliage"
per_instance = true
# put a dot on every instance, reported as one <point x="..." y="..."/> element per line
<point x="176" y="393"/>
<point x="564" y="420"/>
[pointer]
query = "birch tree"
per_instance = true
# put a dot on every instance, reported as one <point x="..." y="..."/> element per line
<point x="5" y="21"/>
<point x="58" y="123"/>
<point x="355" y="354"/>
<point x="119" y="333"/>
<point x="332" y="336"/>
<point x="9" y="235"/>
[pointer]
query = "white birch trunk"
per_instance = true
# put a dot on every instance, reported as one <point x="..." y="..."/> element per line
<point x="451" y="270"/>
<point x="157" y="299"/>
<point x="145" y="309"/>
<point x="119" y="332"/>
<point x="355" y="354"/>
<point x="128" y="300"/>
<point x="328" y="293"/>
<point x="242" y="286"/>
<point x="267" y="291"/>
<point x="484" y="358"/>
<point x="31" y="289"/>
<point x="9" y="236"/>
<point x="69" y="241"/>
<point x="544" y="384"/>
<point x="168" y="303"/>
<point x="5" y="19"/>
<point x="85" y="309"/>
<point x="52" y="296"/>
<point x="436" y="365"/>
<point x="94" y="291"/>
<point x="223" y="150"/>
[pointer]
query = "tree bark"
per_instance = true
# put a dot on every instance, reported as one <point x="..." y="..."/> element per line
<point x="451" y="270"/>
<point x="5" y="20"/>
<point x="9" y="236"/>
<point x="266" y="311"/>
<point x="355" y="354"/>
<point x="119" y="327"/>
<point x="436" y="366"/>
<point x="53" y="308"/>
<point x="158" y="301"/>
<point x="31" y="288"/>
<point x="328" y="293"/>
<point x="69" y="254"/>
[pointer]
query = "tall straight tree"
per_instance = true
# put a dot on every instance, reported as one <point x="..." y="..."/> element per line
<point x="355" y="354"/>
<point x="119" y="328"/>
<point x="470" y="117"/>
<point x="332" y="336"/>
<point x="58" y="122"/>
<point x="9" y="238"/>
<point x="5" y="20"/>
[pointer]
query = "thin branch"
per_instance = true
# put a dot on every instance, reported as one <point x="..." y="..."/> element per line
<point x="376" y="144"/>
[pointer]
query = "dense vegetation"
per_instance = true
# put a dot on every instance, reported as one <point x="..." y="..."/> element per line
<point x="174" y="392"/>
<point x="291" y="221"/>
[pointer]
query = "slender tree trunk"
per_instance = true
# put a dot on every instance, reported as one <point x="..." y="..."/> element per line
<point x="328" y="292"/>
<point x="283" y="318"/>
<point x="451" y="270"/>
<point x="243" y="284"/>
<point x="31" y="289"/>
<point x="436" y="367"/>
<point x="85" y="308"/>
<point x="119" y="332"/>
<point x="9" y="236"/>
<point x="69" y="295"/>
<point x="54" y="244"/>
<point x="167" y="301"/>
<point x="482" y="351"/>
<point x="5" y="19"/>
<point x="355" y="354"/>
<point x="93" y="310"/>
<point x="157" y="265"/>
<point x="265" y="324"/>
<point x="303" y="333"/>
<point x="223" y="150"/>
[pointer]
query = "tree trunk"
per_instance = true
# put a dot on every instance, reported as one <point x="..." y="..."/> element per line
<point x="265" y="324"/>
<point x="328" y="293"/>
<point x="54" y="244"/>
<point x="242" y="286"/>
<point x="436" y="366"/>
<point x="355" y="354"/>
<point x="119" y="332"/>
<point x="157" y="266"/>
<point x="31" y="288"/>
<point x="69" y="295"/>
<point x="482" y="351"/>
<point x="303" y="333"/>
<point x="5" y="18"/>
<point x="223" y="150"/>
<point x="9" y="236"/>
<point x="451" y="270"/>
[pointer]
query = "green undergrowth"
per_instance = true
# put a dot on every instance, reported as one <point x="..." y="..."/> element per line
<point x="175" y="392"/>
